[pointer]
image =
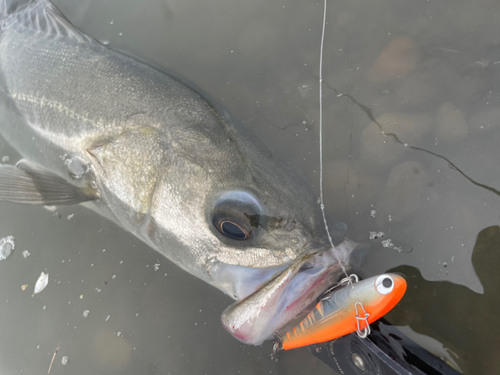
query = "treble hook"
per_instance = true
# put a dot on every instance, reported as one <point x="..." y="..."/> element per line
<point x="277" y="347"/>
<point x="366" y="331"/>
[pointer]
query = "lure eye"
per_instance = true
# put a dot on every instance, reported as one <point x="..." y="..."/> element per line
<point x="232" y="230"/>
<point x="384" y="284"/>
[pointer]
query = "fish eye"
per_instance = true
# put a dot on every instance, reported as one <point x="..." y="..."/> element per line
<point x="232" y="215"/>
<point x="384" y="284"/>
<point x="232" y="230"/>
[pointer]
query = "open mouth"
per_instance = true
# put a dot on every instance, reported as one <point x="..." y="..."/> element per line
<point x="289" y="296"/>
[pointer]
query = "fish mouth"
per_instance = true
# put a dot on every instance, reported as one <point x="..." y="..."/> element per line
<point x="289" y="296"/>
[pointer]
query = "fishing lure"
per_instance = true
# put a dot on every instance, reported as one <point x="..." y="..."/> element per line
<point x="346" y="310"/>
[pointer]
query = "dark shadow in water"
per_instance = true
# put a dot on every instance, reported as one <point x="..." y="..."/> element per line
<point x="465" y="322"/>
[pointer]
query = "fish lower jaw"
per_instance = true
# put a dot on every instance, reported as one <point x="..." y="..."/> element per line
<point x="246" y="333"/>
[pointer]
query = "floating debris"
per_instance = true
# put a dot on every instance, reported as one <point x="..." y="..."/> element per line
<point x="65" y="360"/>
<point x="86" y="313"/>
<point x="373" y="213"/>
<point x="53" y="357"/>
<point x="157" y="266"/>
<point x="376" y="235"/>
<point x="483" y="63"/>
<point x="5" y="159"/>
<point x="71" y="216"/>
<point x="26" y="254"/>
<point x="107" y="318"/>
<point x="41" y="283"/>
<point x="400" y="249"/>
<point x="6" y="247"/>
<point x="23" y="287"/>
<point x="387" y="243"/>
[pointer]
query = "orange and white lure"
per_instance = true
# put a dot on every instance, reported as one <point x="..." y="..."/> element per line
<point x="346" y="310"/>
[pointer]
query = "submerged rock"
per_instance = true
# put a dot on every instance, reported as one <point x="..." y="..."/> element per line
<point x="415" y="92"/>
<point x="378" y="141"/>
<point x="396" y="61"/>
<point x="451" y="125"/>
<point x="405" y="189"/>
<point x="485" y="120"/>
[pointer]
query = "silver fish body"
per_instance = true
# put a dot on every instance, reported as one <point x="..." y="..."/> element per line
<point x="161" y="160"/>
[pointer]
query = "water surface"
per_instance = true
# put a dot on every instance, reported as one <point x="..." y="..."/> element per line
<point x="427" y="72"/>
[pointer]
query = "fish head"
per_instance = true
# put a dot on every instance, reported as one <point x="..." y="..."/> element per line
<point x="262" y="217"/>
<point x="216" y="202"/>
<point x="273" y="253"/>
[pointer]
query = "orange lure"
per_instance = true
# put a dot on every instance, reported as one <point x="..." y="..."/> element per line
<point x="336" y="316"/>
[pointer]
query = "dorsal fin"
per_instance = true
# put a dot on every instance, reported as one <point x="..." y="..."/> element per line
<point x="38" y="15"/>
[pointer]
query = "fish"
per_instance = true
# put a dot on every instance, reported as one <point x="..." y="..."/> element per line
<point x="156" y="155"/>
<point x="348" y="309"/>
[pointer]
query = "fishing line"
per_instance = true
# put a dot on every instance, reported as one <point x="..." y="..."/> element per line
<point x="278" y="344"/>
<point x="322" y="205"/>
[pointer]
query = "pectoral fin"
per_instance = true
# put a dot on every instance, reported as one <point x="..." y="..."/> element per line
<point x="26" y="184"/>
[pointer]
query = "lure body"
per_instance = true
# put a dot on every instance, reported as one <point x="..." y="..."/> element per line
<point x="347" y="309"/>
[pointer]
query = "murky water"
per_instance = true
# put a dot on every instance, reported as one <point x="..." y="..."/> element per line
<point x="427" y="72"/>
